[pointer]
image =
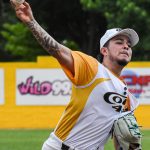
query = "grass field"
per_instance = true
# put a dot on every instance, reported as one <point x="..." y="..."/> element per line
<point x="33" y="139"/>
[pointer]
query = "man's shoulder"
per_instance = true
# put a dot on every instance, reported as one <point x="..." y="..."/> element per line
<point x="83" y="55"/>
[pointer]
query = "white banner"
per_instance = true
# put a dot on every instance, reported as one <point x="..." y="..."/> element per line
<point x="52" y="87"/>
<point x="42" y="87"/>
<point x="138" y="81"/>
<point x="1" y="86"/>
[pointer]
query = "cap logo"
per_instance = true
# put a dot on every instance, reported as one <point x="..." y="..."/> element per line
<point x="118" y="29"/>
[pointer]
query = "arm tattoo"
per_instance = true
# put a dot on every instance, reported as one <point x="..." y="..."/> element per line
<point x="46" y="41"/>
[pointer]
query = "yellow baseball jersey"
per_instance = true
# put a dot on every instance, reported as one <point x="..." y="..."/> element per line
<point x="98" y="98"/>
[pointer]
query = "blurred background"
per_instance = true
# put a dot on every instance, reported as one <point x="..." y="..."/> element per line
<point x="79" y="24"/>
<point x="27" y="114"/>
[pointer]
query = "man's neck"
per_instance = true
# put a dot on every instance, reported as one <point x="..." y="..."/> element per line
<point x="114" y="68"/>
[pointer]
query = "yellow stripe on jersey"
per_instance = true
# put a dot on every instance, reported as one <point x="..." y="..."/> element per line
<point x="73" y="110"/>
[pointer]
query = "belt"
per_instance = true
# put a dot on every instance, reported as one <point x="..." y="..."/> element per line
<point x="60" y="142"/>
<point x="66" y="147"/>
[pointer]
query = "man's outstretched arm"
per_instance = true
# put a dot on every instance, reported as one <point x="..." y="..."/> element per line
<point x="60" y="52"/>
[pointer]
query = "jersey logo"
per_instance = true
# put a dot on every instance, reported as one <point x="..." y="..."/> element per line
<point x="116" y="100"/>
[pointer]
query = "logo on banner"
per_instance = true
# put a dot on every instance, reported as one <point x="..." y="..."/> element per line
<point x="57" y="87"/>
<point x="42" y="87"/>
<point x="137" y="84"/>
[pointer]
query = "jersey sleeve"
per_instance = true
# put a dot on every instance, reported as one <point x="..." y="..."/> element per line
<point x="85" y="67"/>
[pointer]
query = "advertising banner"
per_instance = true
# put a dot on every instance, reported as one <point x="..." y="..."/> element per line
<point x="138" y="81"/>
<point x="52" y="87"/>
<point x="42" y="87"/>
<point x="1" y="86"/>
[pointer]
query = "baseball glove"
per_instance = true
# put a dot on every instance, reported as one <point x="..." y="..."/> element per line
<point x="127" y="133"/>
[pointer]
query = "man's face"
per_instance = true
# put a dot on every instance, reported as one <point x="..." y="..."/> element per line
<point x="119" y="50"/>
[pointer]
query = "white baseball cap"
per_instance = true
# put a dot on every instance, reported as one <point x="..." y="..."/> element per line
<point x="133" y="36"/>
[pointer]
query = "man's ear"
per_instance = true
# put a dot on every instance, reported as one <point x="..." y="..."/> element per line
<point x="104" y="51"/>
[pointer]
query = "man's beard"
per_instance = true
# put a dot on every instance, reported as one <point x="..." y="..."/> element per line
<point x="122" y="62"/>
